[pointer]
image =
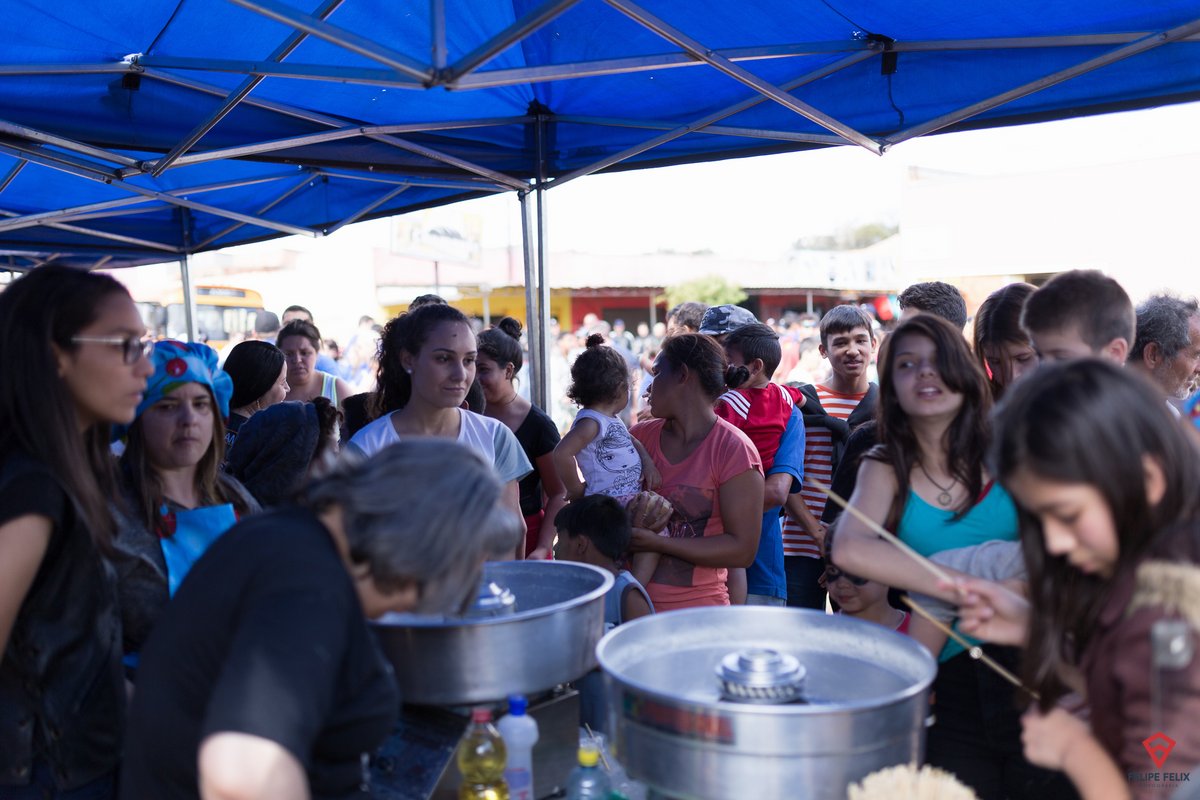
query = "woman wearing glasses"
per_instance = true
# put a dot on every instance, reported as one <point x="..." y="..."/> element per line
<point x="177" y="499"/>
<point x="73" y="361"/>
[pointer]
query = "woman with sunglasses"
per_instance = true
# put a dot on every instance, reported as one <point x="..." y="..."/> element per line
<point x="73" y="361"/>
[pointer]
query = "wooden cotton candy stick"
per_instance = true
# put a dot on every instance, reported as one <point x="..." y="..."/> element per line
<point x="875" y="527"/>
<point x="975" y="651"/>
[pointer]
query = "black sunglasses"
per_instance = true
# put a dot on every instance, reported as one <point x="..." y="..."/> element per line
<point x="832" y="573"/>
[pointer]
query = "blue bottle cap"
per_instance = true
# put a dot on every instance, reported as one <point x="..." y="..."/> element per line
<point x="517" y="705"/>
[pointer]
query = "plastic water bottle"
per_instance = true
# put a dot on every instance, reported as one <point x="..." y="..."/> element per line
<point x="481" y="758"/>
<point x="520" y="732"/>
<point x="588" y="781"/>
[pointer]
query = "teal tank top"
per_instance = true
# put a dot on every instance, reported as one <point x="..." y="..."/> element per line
<point x="929" y="529"/>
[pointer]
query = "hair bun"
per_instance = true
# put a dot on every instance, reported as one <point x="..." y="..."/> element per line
<point x="510" y="326"/>
<point x="595" y="340"/>
<point x="736" y="375"/>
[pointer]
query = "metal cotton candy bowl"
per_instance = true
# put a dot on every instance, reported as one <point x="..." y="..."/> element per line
<point x="534" y="626"/>
<point x="752" y="701"/>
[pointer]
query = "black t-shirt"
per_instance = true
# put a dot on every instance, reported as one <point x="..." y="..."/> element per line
<point x="266" y="636"/>
<point x="538" y="436"/>
<point x="62" y="694"/>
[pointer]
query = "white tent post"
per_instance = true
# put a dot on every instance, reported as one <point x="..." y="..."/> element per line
<point x="189" y="298"/>
<point x="185" y="276"/>
<point x="543" y="305"/>
<point x="535" y="335"/>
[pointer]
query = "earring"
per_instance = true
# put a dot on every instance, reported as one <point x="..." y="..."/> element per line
<point x="409" y="371"/>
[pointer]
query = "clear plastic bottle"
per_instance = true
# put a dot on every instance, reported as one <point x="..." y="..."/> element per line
<point x="588" y="781"/>
<point x="520" y="732"/>
<point x="481" y="757"/>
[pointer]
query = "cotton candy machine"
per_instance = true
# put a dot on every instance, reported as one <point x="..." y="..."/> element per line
<point x="752" y="701"/>
<point x="533" y="628"/>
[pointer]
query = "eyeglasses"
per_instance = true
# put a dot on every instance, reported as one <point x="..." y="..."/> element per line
<point x="133" y="348"/>
<point x="832" y="573"/>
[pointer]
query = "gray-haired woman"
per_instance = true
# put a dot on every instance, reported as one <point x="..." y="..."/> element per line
<point x="263" y="679"/>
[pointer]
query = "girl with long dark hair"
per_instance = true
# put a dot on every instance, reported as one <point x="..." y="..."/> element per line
<point x="73" y="359"/>
<point x="1105" y="479"/>
<point x="1001" y="345"/>
<point x="426" y="367"/>
<point x="542" y="495"/>
<point x="926" y="483"/>
<point x="178" y="499"/>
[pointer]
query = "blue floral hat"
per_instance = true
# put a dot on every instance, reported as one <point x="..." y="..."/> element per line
<point x="177" y="363"/>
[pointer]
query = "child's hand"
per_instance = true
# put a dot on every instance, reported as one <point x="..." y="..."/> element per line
<point x="990" y="611"/>
<point x="651" y="477"/>
<point x="538" y="554"/>
<point x="1048" y="737"/>
<point x="649" y="510"/>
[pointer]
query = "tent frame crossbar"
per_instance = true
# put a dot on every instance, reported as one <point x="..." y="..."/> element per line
<point x="724" y="113"/>
<point x="116" y="237"/>
<point x="518" y="30"/>
<point x="12" y="174"/>
<point x="73" y="166"/>
<point x="237" y="95"/>
<point x="715" y="130"/>
<point x="127" y="205"/>
<point x="367" y="209"/>
<point x="106" y="207"/>
<point x="1142" y="45"/>
<point x="340" y="37"/>
<point x="724" y="65"/>
<point x="295" y="186"/>
<point x="483" y="79"/>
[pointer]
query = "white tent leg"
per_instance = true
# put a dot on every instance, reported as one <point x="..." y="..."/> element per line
<point x="536" y="316"/>
<point x="189" y="297"/>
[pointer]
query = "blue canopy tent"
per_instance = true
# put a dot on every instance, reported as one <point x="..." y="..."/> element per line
<point x="146" y="130"/>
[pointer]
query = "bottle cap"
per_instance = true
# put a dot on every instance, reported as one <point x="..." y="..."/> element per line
<point x="588" y="756"/>
<point x="517" y="705"/>
<point x="481" y="715"/>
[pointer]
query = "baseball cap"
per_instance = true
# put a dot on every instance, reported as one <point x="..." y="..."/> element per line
<point x="720" y="320"/>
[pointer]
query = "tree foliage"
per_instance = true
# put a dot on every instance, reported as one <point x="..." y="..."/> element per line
<point x="848" y="238"/>
<point x="712" y="290"/>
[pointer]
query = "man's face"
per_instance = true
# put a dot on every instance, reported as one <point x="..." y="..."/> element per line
<point x="849" y="352"/>
<point x="1061" y="345"/>
<point x="288" y="316"/>
<point x="1176" y="375"/>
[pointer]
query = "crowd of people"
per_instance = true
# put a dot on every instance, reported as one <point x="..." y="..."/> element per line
<point x="191" y="543"/>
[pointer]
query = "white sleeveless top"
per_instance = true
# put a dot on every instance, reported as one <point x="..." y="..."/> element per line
<point x="610" y="463"/>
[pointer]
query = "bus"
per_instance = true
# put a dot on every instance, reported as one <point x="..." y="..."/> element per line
<point x="223" y="313"/>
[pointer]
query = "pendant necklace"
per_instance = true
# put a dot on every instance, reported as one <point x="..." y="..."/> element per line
<point x="944" y="498"/>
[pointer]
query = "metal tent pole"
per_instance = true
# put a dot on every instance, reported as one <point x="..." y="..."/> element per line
<point x="189" y="299"/>
<point x="543" y="305"/>
<point x="535" y="336"/>
<point x="185" y="276"/>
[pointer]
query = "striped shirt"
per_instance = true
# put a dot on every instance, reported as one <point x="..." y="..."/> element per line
<point x="818" y="463"/>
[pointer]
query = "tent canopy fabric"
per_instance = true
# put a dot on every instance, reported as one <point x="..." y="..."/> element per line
<point x="141" y="130"/>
